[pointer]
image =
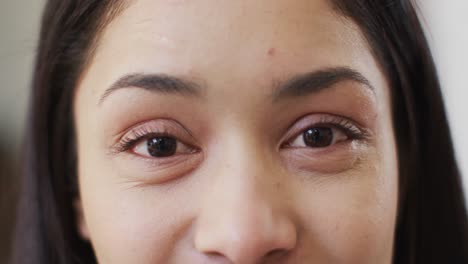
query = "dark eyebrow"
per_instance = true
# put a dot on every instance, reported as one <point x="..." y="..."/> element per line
<point x="161" y="83"/>
<point x="299" y="85"/>
<point x="316" y="81"/>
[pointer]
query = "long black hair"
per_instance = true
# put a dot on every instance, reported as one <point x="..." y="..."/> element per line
<point x="432" y="224"/>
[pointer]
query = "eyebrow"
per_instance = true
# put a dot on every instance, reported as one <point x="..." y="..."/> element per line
<point x="160" y="83"/>
<point x="314" y="82"/>
<point x="299" y="85"/>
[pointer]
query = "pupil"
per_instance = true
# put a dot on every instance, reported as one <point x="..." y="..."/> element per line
<point x="318" y="137"/>
<point x="162" y="146"/>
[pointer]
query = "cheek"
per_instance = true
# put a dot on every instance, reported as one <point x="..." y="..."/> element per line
<point x="129" y="224"/>
<point x="126" y="223"/>
<point x="351" y="218"/>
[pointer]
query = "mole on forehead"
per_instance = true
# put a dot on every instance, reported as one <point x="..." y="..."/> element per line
<point x="271" y="51"/>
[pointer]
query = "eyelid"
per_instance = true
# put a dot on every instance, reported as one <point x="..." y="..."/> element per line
<point x="161" y="127"/>
<point x="338" y="135"/>
<point x="349" y="127"/>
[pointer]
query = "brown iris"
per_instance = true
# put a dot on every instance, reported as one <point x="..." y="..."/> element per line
<point x="162" y="146"/>
<point x="318" y="137"/>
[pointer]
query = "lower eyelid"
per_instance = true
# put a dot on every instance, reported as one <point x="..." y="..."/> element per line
<point x="158" y="171"/>
<point x="159" y="163"/>
<point x="333" y="159"/>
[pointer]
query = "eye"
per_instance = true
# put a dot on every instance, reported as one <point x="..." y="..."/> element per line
<point x="319" y="137"/>
<point x="161" y="147"/>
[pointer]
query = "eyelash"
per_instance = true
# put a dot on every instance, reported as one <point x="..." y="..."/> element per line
<point x="352" y="131"/>
<point x="138" y="135"/>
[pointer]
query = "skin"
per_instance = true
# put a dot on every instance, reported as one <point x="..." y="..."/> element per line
<point x="242" y="187"/>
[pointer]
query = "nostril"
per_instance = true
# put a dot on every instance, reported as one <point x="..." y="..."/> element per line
<point x="276" y="253"/>
<point x="273" y="255"/>
<point x="216" y="257"/>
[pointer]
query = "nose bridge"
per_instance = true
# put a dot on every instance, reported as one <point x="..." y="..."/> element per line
<point x="241" y="217"/>
<point x="242" y="181"/>
<point x="244" y="177"/>
<point x="242" y="158"/>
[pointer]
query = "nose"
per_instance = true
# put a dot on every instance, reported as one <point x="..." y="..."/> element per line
<point x="243" y="220"/>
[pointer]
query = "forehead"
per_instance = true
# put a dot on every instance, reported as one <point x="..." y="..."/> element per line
<point x="250" y="40"/>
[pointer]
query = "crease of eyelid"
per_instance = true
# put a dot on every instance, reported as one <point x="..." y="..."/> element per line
<point x="119" y="137"/>
<point x="365" y="133"/>
<point x="120" y="134"/>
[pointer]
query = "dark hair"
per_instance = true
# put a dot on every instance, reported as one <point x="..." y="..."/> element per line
<point x="432" y="224"/>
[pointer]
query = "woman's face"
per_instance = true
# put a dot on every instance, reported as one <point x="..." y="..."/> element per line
<point x="235" y="132"/>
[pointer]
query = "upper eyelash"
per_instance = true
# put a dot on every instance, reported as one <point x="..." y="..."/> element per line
<point x="128" y="141"/>
<point x="352" y="131"/>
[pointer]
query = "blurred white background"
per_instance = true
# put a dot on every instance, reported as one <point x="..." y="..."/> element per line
<point x="447" y="31"/>
<point x="446" y="24"/>
<point x="19" y="26"/>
